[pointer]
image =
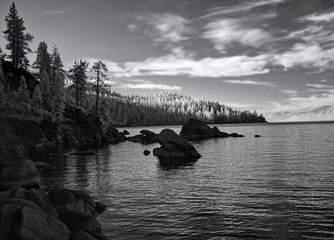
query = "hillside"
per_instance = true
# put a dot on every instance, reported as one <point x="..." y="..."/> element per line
<point x="323" y="113"/>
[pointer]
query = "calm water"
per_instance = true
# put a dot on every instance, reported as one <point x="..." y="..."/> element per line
<point x="279" y="186"/>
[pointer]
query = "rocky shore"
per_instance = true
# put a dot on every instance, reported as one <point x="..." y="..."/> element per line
<point x="60" y="214"/>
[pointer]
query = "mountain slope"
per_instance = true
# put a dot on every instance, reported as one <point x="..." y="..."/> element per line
<point x="323" y="113"/>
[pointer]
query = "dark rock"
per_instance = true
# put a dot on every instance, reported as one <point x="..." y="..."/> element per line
<point x="197" y="127"/>
<point x="4" y="194"/>
<point x="24" y="174"/>
<point x="257" y="136"/>
<point x="37" y="196"/>
<point x="146" y="152"/>
<point x="236" y="135"/>
<point x="148" y="134"/>
<point x="146" y="137"/>
<point x="100" y="236"/>
<point x="83" y="235"/>
<point x="112" y="135"/>
<point x="126" y="132"/>
<point x="180" y="144"/>
<point x="218" y="134"/>
<point x="64" y="199"/>
<point x="76" y="221"/>
<point x="7" y="213"/>
<point x="169" y="151"/>
<point x="84" y="153"/>
<point x="136" y="138"/>
<point x="31" y="224"/>
<point x="20" y="202"/>
<point x="100" y="207"/>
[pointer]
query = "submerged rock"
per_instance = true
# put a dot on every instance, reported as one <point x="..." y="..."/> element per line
<point x="146" y="152"/>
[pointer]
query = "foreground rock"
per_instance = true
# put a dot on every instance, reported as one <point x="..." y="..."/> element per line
<point x="194" y="130"/>
<point x="174" y="150"/>
<point x="62" y="214"/>
<point x="112" y="135"/>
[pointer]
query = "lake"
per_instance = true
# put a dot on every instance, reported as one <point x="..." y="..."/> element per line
<point x="278" y="186"/>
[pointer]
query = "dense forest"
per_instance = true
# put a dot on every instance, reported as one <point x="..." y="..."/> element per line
<point x="42" y="92"/>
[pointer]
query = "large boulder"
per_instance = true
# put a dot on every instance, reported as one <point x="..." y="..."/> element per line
<point x="65" y="199"/>
<point x="172" y="145"/>
<point x="194" y="130"/>
<point x="24" y="173"/>
<point x="145" y="137"/>
<point x="112" y="135"/>
<point x="31" y="224"/>
<point x="76" y="221"/>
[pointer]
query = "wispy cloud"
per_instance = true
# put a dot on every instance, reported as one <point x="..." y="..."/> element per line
<point x="152" y="86"/>
<point x="251" y="82"/>
<point x="319" y="17"/>
<point x="290" y="92"/>
<point x="54" y="12"/>
<point x="240" y="8"/>
<point x="224" y="32"/>
<point x="166" y="27"/>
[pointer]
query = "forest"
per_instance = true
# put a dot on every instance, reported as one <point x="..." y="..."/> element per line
<point x="42" y="93"/>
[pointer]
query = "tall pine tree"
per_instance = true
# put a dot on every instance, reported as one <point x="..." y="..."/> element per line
<point x="100" y="69"/>
<point x="78" y="74"/>
<point x="18" y="40"/>
<point x="44" y="85"/>
<point x="43" y="60"/>
<point x="57" y="92"/>
<point x="56" y="62"/>
<point x="37" y="100"/>
<point x="23" y="92"/>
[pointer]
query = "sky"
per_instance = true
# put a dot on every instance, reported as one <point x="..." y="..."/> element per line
<point x="267" y="55"/>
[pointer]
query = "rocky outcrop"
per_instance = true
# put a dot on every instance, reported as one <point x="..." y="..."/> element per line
<point x="112" y="135"/>
<point x="60" y="215"/>
<point x="145" y="137"/>
<point x="174" y="150"/>
<point x="194" y="130"/>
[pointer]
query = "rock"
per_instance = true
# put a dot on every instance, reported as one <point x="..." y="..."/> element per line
<point x="31" y="224"/>
<point x="136" y="138"/>
<point x="20" y="202"/>
<point x="76" y="221"/>
<point x="24" y="174"/>
<point x="168" y="151"/>
<point x="146" y="152"/>
<point x="218" y="134"/>
<point x="146" y="137"/>
<point x="82" y="235"/>
<point x="37" y="196"/>
<point x="180" y="144"/>
<point x="257" y="136"/>
<point x="84" y="153"/>
<point x="126" y="132"/>
<point x="148" y="134"/>
<point x="236" y="135"/>
<point x="7" y="213"/>
<point x="64" y="199"/>
<point x="4" y="194"/>
<point x="197" y="127"/>
<point x="100" y="207"/>
<point x="112" y="135"/>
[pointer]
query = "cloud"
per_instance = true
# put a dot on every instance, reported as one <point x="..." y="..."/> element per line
<point x="239" y="8"/>
<point x="54" y="12"/>
<point x="251" y="82"/>
<point x="166" y="27"/>
<point x="152" y="86"/>
<point x="227" y="31"/>
<point x="290" y="92"/>
<point x="174" y="65"/>
<point x="316" y="17"/>
<point x="319" y="86"/>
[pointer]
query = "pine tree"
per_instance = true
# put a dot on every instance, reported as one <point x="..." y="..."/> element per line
<point x="18" y="40"/>
<point x="37" y="100"/>
<point x="78" y="74"/>
<point x="100" y="69"/>
<point x="23" y="92"/>
<point x="43" y="60"/>
<point x="44" y="85"/>
<point x="57" y="92"/>
<point x="56" y="62"/>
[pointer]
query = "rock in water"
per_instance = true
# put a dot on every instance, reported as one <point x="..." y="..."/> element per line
<point x="173" y="145"/>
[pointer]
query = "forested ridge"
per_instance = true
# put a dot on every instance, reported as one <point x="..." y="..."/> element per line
<point x="43" y="93"/>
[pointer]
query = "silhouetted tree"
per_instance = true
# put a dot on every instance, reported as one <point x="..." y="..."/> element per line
<point x="56" y="62"/>
<point x="78" y="74"/>
<point x="23" y="92"/>
<point x="43" y="60"/>
<point x="18" y="40"/>
<point x="100" y="69"/>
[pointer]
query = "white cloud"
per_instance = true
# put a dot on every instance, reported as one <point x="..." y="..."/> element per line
<point x="290" y="92"/>
<point x="173" y="65"/>
<point x="243" y="7"/>
<point x="320" y="86"/>
<point x="152" y="86"/>
<point x="167" y="27"/>
<point x="227" y="31"/>
<point x="251" y="82"/>
<point x="319" y="17"/>
<point x="54" y="12"/>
